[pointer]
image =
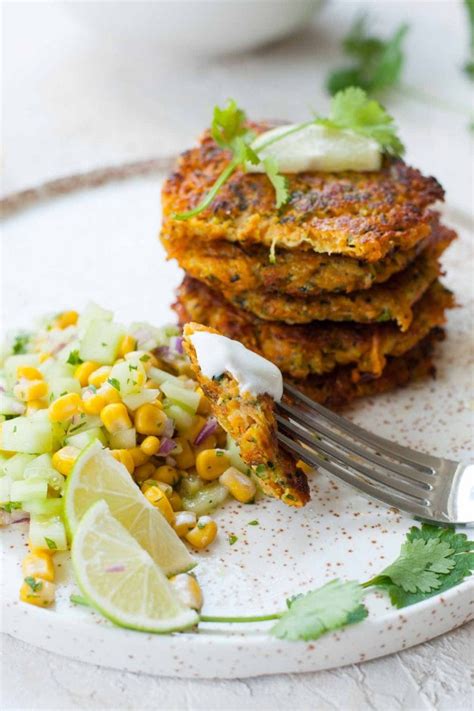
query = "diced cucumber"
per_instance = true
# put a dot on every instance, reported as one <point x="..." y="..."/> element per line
<point x="9" y="405"/>
<point x="82" y="423"/>
<point x="46" y="507"/>
<point x="206" y="499"/>
<point x="162" y="376"/>
<point x="27" y="434"/>
<point x="62" y="386"/>
<point x="5" y="484"/>
<point x="63" y="356"/>
<point x="28" y="489"/>
<point x="125" y="439"/>
<point x="12" y="363"/>
<point x="52" y="370"/>
<point x="93" y="312"/>
<point x="182" y="419"/>
<point x="82" y="439"/>
<point x="190" y="485"/>
<point x="129" y="377"/>
<point x="134" y="401"/>
<point x="101" y="342"/>
<point x="48" y="532"/>
<point x="234" y="455"/>
<point x="15" y="467"/>
<point x="37" y="465"/>
<point x="187" y="399"/>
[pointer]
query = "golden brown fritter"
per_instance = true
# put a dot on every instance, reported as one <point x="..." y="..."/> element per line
<point x="390" y="301"/>
<point x="250" y="421"/>
<point x="315" y="348"/>
<point x="343" y="385"/>
<point x="362" y="215"/>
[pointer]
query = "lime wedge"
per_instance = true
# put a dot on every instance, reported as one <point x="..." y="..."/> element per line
<point x="118" y="577"/>
<point x="97" y="475"/>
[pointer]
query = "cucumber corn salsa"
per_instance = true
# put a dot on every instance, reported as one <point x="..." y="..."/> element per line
<point x="83" y="378"/>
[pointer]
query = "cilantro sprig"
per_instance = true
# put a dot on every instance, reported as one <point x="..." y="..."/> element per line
<point x="350" y="109"/>
<point x="376" y="63"/>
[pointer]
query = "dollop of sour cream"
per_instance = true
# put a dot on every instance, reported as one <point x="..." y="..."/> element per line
<point x="315" y="148"/>
<point x="217" y="354"/>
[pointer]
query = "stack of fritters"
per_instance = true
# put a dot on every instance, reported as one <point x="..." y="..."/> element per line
<point x="339" y="287"/>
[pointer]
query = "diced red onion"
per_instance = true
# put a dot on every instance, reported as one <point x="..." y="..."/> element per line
<point x="208" y="429"/>
<point x="167" y="445"/>
<point x="16" y="516"/>
<point x="168" y="428"/>
<point x="178" y="345"/>
<point x="24" y="517"/>
<point x="115" y="569"/>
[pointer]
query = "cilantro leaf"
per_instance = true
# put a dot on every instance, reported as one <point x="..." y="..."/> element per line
<point x="328" y="608"/>
<point x="51" y="544"/>
<point x="114" y="383"/>
<point x="469" y="66"/>
<point x="20" y="343"/>
<point x="377" y="63"/>
<point x="279" y="182"/>
<point x="232" y="538"/>
<point x="73" y="358"/>
<point x="352" y="109"/>
<point x="227" y="124"/>
<point x="432" y="560"/>
<point x="33" y="584"/>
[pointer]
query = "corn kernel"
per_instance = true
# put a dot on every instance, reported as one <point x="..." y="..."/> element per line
<point x="28" y="372"/>
<point x="42" y="357"/>
<point x="150" y="445"/>
<point x="66" y="318"/>
<point x="139" y="457"/>
<point x="35" y="405"/>
<point x="188" y="590"/>
<point x="27" y="390"/>
<point x="65" y="407"/>
<point x="176" y="501"/>
<point x="127" y="345"/>
<point x="99" y="376"/>
<point x="209" y="443"/>
<point x="124" y="457"/>
<point x="184" y="521"/>
<point x="84" y="371"/>
<point x="115" y="417"/>
<point x="156" y="497"/>
<point x="240" y="486"/>
<point x="150" y="420"/>
<point x="203" y="534"/>
<point x="165" y="488"/>
<point x="204" y="407"/>
<point x="38" y="565"/>
<point x="193" y="431"/>
<point x="211" y="463"/>
<point x="63" y="460"/>
<point x="109" y="393"/>
<point x="166" y="474"/>
<point x="144" y="471"/>
<point x="186" y="458"/>
<point x="38" y="592"/>
<point x="93" y="403"/>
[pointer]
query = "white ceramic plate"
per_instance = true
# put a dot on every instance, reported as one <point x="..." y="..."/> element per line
<point x="100" y="244"/>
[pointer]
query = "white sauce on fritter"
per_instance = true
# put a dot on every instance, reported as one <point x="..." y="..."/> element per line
<point x="217" y="354"/>
<point x="315" y="148"/>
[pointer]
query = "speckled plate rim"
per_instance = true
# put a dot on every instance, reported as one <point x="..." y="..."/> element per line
<point x="225" y="658"/>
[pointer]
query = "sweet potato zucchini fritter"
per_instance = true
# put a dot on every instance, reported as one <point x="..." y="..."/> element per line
<point x="250" y="421"/>
<point x="315" y="348"/>
<point x="391" y="301"/>
<point x="361" y="215"/>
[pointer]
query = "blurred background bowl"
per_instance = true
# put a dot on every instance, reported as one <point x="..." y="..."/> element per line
<point x="196" y="27"/>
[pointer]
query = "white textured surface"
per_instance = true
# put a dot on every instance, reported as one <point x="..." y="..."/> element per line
<point x="73" y="103"/>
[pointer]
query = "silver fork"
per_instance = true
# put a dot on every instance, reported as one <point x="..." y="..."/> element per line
<point x="430" y="488"/>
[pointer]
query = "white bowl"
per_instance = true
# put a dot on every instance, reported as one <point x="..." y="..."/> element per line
<point x="201" y="27"/>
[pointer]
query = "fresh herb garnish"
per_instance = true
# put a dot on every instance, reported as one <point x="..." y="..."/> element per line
<point x="74" y="359"/>
<point x="253" y="523"/>
<point x="376" y="63"/>
<point x="232" y="538"/>
<point x="144" y="358"/>
<point x="114" y="383"/>
<point x="11" y="506"/>
<point x="20" y="343"/>
<point x="469" y="66"/>
<point x="432" y="560"/>
<point x="309" y="616"/>
<point x="51" y="544"/>
<point x="31" y="582"/>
